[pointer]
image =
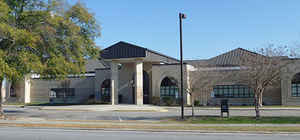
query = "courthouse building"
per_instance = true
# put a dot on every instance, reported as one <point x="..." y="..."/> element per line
<point x="131" y="74"/>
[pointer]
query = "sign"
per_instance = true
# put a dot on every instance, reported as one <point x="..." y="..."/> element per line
<point x="212" y="94"/>
<point x="224" y="107"/>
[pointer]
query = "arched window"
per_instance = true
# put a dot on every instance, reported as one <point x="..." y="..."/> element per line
<point x="168" y="87"/>
<point x="105" y="90"/>
<point x="296" y="85"/>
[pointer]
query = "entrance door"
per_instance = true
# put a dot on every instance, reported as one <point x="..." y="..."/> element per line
<point x="146" y="95"/>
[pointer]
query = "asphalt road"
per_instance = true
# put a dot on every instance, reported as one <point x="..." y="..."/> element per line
<point x="15" y="133"/>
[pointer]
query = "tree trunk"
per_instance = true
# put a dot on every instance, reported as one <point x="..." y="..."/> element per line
<point x="256" y="102"/>
<point x="1" y="109"/>
<point x="260" y="101"/>
<point x="193" y="114"/>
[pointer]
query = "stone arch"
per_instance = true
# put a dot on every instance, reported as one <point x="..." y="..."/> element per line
<point x="287" y="76"/>
<point x="105" y="90"/>
<point x="157" y="82"/>
<point x="290" y="70"/>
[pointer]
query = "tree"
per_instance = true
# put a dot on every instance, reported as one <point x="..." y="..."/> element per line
<point x="261" y="69"/>
<point x="202" y="79"/>
<point x="48" y="38"/>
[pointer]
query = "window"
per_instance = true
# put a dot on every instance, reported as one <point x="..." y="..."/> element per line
<point x="62" y="92"/>
<point x="52" y="94"/>
<point x="232" y="91"/>
<point x="169" y="88"/>
<point x="296" y="90"/>
<point x="296" y="85"/>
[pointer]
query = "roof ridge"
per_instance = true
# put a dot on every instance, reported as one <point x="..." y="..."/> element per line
<point x="249" y="51"/>
<point x="124" y="43"/>
<point x="225" y="53"/>
<point x="153" y="51"/>
<point x="239" y="48"/>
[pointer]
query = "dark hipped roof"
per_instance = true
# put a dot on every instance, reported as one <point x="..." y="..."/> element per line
<point x="126" y="50"/>
<point x="231" y="58"/>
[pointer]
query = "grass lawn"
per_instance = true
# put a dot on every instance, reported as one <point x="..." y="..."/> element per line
<point x="237" y="120"/>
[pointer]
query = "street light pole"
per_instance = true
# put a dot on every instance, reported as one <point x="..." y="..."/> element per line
<point x="181" y="16"/>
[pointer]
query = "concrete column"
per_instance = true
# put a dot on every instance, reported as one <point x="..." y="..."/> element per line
<point x="114" y="83"/>
<point x="138" y="83"/>
<point x="27" y="89"/>
<point x="3" y="90"/>
<point x="188" y="85"/>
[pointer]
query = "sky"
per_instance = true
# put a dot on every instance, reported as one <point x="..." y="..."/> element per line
<point x="212" y="27"/>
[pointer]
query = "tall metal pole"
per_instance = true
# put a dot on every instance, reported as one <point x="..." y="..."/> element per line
<point x="181" y="16"/>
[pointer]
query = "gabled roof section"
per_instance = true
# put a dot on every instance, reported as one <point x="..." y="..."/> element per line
<point x="126" y="50"/>
<point x="233" y="57"/>
<point x="228" y="59"/>
<point x="162" y="55"/>
<point x="123" y="50"/>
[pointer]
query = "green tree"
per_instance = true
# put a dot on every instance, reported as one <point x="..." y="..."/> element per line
<point x="46" y="37"/>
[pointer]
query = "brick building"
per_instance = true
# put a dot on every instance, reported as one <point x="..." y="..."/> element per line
<point x="130" y="74"/>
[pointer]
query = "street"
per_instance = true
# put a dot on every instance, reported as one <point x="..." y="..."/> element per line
<point x="15" y="133"/>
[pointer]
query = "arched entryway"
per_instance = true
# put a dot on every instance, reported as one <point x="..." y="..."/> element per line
<point x="146" y="88"/>
<point x="296" y="85"/>
<point x="169" y="89"/>
<point x="105" y="91"/>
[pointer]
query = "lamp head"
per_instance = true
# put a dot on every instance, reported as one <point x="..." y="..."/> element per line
<point x="182" y="16"/>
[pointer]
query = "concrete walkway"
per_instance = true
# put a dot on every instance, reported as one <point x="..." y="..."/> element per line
<point x="146" y="108"/>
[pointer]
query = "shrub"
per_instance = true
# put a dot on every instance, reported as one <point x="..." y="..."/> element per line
<point x="101" y="102"/>
<point x="197" y="103"/>
<point x="91" y="99"/>
<point x="155" y="100"/>
<point x="168" y="100"/>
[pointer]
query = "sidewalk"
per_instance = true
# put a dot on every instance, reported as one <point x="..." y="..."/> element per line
<point x="146" y="108"/>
